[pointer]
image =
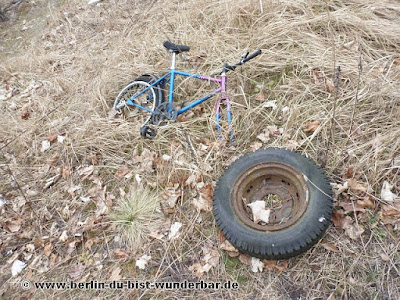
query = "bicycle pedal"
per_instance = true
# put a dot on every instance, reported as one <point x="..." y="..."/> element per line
<point x="147" y="132"/>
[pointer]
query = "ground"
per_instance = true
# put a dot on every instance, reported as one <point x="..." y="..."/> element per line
<point x="71" y="171"/>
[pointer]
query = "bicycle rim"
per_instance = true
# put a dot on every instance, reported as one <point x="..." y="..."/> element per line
<point x="147" y="99"/>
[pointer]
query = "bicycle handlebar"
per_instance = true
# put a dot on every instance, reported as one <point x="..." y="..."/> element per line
<point x="245" y="58"/>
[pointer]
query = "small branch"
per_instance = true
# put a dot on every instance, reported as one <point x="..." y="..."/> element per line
<point x="333" y="120"/>
<point x="360" y="67"/>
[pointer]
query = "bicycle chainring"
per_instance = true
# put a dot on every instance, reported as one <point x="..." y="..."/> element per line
<point x="164" y="112"/>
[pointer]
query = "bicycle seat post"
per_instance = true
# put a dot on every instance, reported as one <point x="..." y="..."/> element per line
<point x="172" y="78"/>
<point x="173" y="61"/>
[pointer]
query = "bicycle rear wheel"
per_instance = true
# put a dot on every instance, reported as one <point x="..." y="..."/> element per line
<point x="149" y="99"/>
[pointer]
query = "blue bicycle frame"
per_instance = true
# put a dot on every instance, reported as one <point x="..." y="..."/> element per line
<point x="170" y="77"/>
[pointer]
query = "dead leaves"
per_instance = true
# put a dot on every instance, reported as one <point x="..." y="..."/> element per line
<point x="17" y="267"/>
<point x="276" y="265"/>
<point x="329" y="246"/>
<point x="312" y="126"/>
<point x="121" y="172"/>
<point x="142" y="262"/>
<point x="258" y="265"/>
<point x="26" y="111"/>
<point x="85" y="172"/>
<point x="76" y="270"/>
<point x="352" y="229"/>
<point x="13" y="226"/>
<point x="115" y="274"/>
<point x="390" y="215"/>
<point x="171" y="195"/>
<point x="320" y="79"/>
<point x="259" y="212"/>
<point x="340" y="220"/>
<point x="270" y="131"/>
<point x="174" y="230"/>
<point x="204" y="202"/>
<point x="210" y="258"/>
<point x="387" y="194"/>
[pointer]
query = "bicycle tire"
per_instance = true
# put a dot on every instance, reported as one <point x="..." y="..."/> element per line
<point x="150" y="99"/>
<point x="284" y="172"/>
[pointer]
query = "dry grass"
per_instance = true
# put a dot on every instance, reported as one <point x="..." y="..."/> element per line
<point x="136" y="216"/>
<point x="66" y="71"/>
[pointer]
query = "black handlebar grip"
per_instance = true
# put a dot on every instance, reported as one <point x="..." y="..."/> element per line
<point x="258" y="52"/>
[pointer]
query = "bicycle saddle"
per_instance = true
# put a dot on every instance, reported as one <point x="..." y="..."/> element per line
<point x="171" y="47"/>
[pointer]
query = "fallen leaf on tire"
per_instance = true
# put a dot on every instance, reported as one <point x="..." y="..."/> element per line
<point x="174" y="230"/>
<point x="386" y="193"/>
<point x="142" y="261"/>
<point x="312" y="126"/>
<point x="256" y="265"/>
<point x="259" y="212"/>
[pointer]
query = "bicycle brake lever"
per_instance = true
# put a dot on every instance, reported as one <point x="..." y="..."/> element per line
<point x="244" y="57"/>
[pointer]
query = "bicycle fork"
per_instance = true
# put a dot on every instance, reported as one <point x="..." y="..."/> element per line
<point x="224" y="97"/>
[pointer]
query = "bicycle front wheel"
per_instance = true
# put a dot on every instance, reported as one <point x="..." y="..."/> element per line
<point x="136" y="91"/>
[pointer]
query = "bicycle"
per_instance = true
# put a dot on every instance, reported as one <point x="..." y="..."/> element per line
<point x="146" y="94"/>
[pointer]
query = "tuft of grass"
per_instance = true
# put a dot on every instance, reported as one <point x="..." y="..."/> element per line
<point x="137" y="215"/>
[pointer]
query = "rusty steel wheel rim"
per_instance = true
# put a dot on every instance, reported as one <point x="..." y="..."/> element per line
<point x="282" y="188"/>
